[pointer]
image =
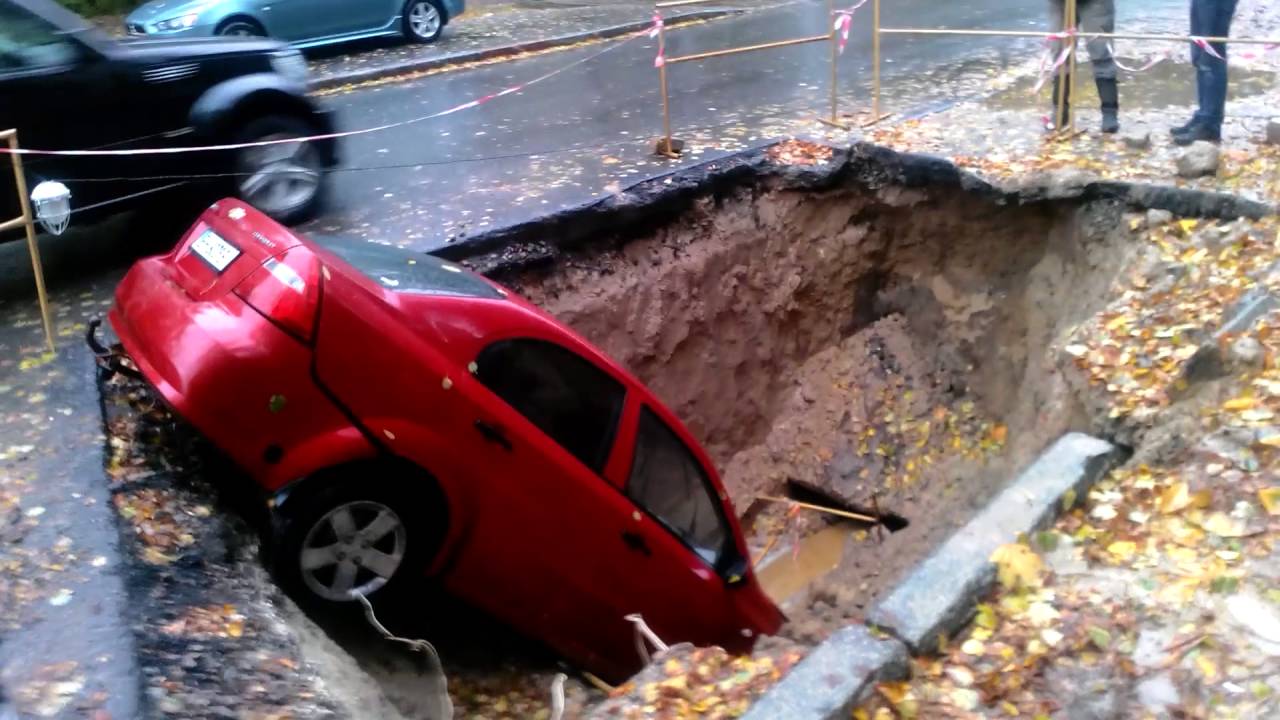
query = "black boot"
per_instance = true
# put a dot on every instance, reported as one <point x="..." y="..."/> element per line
<point x="1056" y="121"/>
<point x="1109" y="92"/>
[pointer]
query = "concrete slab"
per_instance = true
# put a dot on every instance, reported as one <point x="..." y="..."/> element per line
<point x="829" y="682"/>
<point x="938" y="598"/>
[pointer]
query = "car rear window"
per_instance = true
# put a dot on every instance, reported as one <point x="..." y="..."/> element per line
<point x="406" y="271"/>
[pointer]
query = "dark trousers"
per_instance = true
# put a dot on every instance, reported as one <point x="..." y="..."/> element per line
<point x="1211" y="18"/>
<point x="1093" y="16"/>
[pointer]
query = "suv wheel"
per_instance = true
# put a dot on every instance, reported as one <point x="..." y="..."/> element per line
<point x="348" y="538"/>
<point x="285" y="180"/>
<point x="423" y="20"/>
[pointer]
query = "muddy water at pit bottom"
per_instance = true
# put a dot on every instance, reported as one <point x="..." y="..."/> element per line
<point x="792" y="569"/>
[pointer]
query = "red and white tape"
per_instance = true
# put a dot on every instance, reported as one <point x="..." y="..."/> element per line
<point x="843" y="22"/>
<point x="656" y="32"/>
<point x="1047" y="69"/>
<point x="5" y="150"/>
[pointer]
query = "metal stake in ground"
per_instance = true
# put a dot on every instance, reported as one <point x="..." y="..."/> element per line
<point x="28" y="222"/>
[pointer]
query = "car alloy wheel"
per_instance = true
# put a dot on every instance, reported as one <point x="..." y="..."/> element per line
<point x="240" y="29"/>
<point x="280" y="179"/>
<point x="424" y="20"/>
<point x="357" y="547"/>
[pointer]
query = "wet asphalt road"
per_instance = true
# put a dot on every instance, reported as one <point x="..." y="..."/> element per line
<point x="588" y="131"/>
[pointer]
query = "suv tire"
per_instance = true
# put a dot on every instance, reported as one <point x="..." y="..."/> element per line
<point x="285" y="181"/>
<point x="423" y="20"/>
<point x="240" y="27"/>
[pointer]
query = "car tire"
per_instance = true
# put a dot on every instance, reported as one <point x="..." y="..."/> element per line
<point x="353" y="534"/>
<point x="240" y="27"/>
<point x="423" y="20"/>
<point x="286" y="181"/>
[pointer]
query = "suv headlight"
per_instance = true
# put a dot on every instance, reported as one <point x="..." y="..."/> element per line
<point x="181" y="22"/>
<point x="290" y="64"/>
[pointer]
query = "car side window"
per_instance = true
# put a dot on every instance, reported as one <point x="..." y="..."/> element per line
<point x="28" y="42"/>
<point x="669" y="482"/>
<point x="570" y="399"/>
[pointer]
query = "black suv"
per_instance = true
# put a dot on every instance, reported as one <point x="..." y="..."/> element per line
<point x="65" y="85"/>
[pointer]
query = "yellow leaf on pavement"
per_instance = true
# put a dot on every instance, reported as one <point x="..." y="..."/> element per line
<point x="1240" y="403"/>
<point x="1270" y="441"/>
<point x="1188" y="225"/>
<point x="1270" y="498"/>
<point x="1207" y="668"/>
<point x="973" y="647"/>
<point x="1223" y="525"/>
<point x="1017" y="566"/>
<point x="1123" y="549"/>
<point x="1174" y="498"/>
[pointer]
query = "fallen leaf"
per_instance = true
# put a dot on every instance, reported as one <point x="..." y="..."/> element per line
<point x="1270" y="499"/>
<point x="1123" y="549"/>
<point x="1174" y="498"/>
<point x="1017" y="566"/>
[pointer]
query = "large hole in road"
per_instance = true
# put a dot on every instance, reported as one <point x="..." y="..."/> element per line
<point x="884" y="350"/>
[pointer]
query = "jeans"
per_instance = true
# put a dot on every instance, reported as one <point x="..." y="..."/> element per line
<point x="1211" y="18"/>
<point x="1093" y="16"/>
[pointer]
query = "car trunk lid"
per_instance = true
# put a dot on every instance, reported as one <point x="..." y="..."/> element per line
<point x="227" y="243"/>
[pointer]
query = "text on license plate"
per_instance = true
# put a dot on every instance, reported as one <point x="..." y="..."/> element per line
<point x="214" y="250"/>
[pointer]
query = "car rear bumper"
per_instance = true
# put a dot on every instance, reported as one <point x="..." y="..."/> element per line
<point x="240" y="380"/>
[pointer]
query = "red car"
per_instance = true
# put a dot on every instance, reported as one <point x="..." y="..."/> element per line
<point x="408" y="416"/>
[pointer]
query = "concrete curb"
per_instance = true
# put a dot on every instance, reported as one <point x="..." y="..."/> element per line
<point x="1208" y="362"/>
<point x="469" y="56"/>
<point x="939" y="596"/>
<point x="830" y="680"/>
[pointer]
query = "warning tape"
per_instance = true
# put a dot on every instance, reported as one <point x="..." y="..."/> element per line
<point x="1046" y="69"/>
<point x="656" y="32"/>
<point x="844" y="21"/>
<point x="5" y="150"/>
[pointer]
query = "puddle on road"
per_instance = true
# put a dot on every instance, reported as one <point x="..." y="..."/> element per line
<point x="794" y="568"/>
<point x="1165" y="84"/>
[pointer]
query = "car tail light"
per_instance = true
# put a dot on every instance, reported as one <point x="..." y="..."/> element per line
<point x="286" y="290"/>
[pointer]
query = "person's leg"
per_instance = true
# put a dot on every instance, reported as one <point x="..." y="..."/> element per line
<point x="1214" y="103"/>
<point x="1200" y="12"/>
<point x="1099" y="16"/>
<point x="1209" y="18"/>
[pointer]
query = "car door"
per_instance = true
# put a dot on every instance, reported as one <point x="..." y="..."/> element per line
<point x="550" y="419"/>
<point x="304" y="20"/>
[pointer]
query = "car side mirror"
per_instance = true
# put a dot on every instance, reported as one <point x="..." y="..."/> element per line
<point x="735" y="571"/>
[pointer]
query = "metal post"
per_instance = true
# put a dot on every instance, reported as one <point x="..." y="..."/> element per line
<point x="1060" y="90"/>
<point x="1072" y="97"/>
<point x="875" y="60"/>
<point x="29" y="222"/>
<point x="666" y="103"/>
<point x="835" y="56"/>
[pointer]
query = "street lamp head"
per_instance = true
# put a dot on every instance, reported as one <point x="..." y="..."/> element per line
<point x="52" y="203"/>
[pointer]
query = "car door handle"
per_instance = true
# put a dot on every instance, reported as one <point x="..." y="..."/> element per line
<point x="493" y="435"/>
<point x="635" y="542"/>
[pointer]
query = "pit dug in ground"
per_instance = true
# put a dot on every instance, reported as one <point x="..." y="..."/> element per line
<point x="886" y="352"/>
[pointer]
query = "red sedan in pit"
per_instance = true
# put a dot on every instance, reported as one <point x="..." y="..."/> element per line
<point x="407" y="416"/>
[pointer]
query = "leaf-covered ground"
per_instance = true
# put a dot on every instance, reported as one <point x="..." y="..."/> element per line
<point x="1156" y="595"/>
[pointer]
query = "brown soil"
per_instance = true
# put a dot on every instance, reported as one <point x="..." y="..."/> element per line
<point x="889" y="348"/>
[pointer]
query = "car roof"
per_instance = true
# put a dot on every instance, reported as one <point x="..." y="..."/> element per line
<point x="406" y="271"/>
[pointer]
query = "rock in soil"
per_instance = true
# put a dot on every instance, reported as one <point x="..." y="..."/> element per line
<point x="1273" y="132"/>
<point x="1156" y="218"/>
<point x="1199" y="160"/>
<point x="1138" y="140"/>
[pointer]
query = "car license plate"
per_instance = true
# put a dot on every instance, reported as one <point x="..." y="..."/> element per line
<point x="214" y="250"/>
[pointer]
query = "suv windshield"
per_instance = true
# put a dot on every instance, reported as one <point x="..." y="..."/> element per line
<point x="406" y="271"/>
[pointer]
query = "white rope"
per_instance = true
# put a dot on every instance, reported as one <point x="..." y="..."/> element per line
<point x="422" y="646"/>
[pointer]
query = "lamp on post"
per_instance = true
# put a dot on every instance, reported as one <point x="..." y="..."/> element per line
<point x="52" y="203"/>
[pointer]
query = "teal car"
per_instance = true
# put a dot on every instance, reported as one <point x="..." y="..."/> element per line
<point x="305" y="23"/>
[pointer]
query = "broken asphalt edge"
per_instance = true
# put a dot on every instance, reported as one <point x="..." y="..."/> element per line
<point x="655" y="201"/>
<point x="363" y="75"/>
